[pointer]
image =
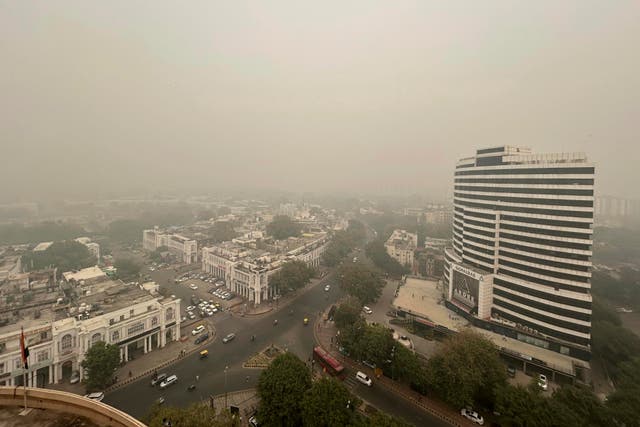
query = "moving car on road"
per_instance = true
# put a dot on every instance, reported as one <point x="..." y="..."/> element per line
<point x="327" y="288"/>
<point x="472" y="415"/>
<point x="157" y="380"/>
<point x="169" y="381"/>
<point x="228" y="338"/>
<point x="364" y="379"/>
<point x="97" y="396"/>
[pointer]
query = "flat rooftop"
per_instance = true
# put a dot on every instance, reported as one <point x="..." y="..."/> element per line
<point x="42" y="418"/>
<point x="88" y="273"/>
<point x="423" y="298"/>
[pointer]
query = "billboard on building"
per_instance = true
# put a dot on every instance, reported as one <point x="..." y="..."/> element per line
<point x="465" y="289"/>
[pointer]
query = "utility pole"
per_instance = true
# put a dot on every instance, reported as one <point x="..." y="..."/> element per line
<point x="225" y="386"/>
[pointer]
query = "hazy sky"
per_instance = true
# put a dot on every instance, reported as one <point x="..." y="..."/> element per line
<point x="377" y="96"/>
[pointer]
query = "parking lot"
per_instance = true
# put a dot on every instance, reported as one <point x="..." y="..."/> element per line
<point x="208" y="295"/>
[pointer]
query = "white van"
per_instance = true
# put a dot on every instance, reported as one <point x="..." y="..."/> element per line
<point x="169" y="381"/>
<point x="364" y="379"/>
<point x="367" y="310"/>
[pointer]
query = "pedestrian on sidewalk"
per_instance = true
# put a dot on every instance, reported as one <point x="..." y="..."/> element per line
<point x="130" y="374"/>
<point x="197" y="378"/>
<point x="247" y="379"/>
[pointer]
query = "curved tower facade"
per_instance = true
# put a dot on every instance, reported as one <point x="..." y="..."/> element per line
<point x="522" y="245"/>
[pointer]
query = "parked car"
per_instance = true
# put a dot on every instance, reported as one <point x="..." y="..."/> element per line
<point x="542" y="382"/>
<point x="97" y="396"/>
<point x="369" y="364"/>
<point x="511" y="371"/>
<point x="75" y="377"/>
<point x="228" y="338"/>
<point x="191" y="308"/>
<point x="169" y="381"/>
<point x="253" y="421"/>
<point x="472" y="416"/>
<point x="364" y="379"/>
<point x="327" y="288"/>
<point x="193" y="286"/>
<point x="367" y="310"/>
<point x="202" y="338"/>
<point x="197" y="330"/>
<point x="157" y="380"/>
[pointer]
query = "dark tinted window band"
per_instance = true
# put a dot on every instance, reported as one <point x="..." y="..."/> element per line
<point x="478" y="240"/>
<point x="530" y="171"/>
<point x="543" y="329"/>
<point x="556" y="254"/>
<point x="480" y="223"/>
<point x="545" y="181"/>
<point x="488" y="205"/>
<point x="541" y="317"/>
<point x="536" y="293"/>
<point x="553" y="191"/>
<point x="543" y="221"/>
<point x="539" y="281"/>
<point x="476" y="231"/>
<point x="528" y="201"/>
<point x="556" y="243"/>
<point x="480" y="215"/>
<point x="586" y="317"/>
<point x="490" y="150"/>
<point x="478" y="258"/>
<point x="479" y="249"/>
<point x="546" y="231"/>
<point x="478" y="266"/>
<point x="550" y="263"/>
<point x="550" y="273"/>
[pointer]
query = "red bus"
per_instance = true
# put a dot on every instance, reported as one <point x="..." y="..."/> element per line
<point x="328" y="363"/>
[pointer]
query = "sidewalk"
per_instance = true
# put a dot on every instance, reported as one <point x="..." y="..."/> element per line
<point x="246" y="400"/>
<point x="324" y="331"/>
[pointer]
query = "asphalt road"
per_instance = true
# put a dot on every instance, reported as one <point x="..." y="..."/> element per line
<point x="290" y="334"/>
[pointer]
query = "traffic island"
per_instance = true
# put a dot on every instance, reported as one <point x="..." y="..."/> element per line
<point x="264" y="358"/>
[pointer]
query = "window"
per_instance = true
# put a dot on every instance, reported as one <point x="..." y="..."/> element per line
<point x="44" y="335"/>
<point x="154" y="321"/>
<point x="2" y="368"/>
<point x="66" y="342"/>
<point x="135" y="328"/>
<point x="122" y="317"/>
<point x="115" y="336"/>
<point x="131" y="312"/>
<point x="564" y="350"/>
<point x="169" y="314"/>
<point x="95" y="338"/>
<point x="42" y="356"/>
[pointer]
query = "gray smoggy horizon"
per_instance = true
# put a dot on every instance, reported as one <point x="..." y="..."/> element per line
<point x="351" y="96"/>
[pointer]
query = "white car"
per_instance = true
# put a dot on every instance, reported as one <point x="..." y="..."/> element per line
<point x="169" y="381"/>
<point x="364" y="379"/>
<point x="191" y="308"/>
<point x="472" y="416"/>
<point x="75" y="377"/>
<point x="98" y="396"/>
<point x="193" y="286"/>
<point x="228" y="338"/>
<point x="197" y="330"/>
<point x="542" y="382"/>
<point x="327" y="288"/>
<point x="367" y="310"/>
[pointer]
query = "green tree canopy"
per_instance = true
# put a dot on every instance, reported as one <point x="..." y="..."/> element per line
<point x="360" y="281"/>
<point x="283" y="227"/>
<point x="68" y="255"/>
<point x="196" y="415"/>
<point x="466" y="370"/>
<point x="343" y="242"/>
<point x="100" y="363"/>
<point x="127" y="267"/>
<point x="325" y="404"/>
<point x="378" y="254"/>
<point x="293" y="275"/>
<point x="380" y="419"/>
<point x="222" y="231"/>
<point x="281" y="387"/>
<point x="623" y="404"/>
<point x="348" y="313"/>
<point x="614" y="345"/>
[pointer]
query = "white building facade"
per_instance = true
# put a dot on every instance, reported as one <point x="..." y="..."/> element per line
<point x="184" y="248"/>
<point x="401" y="246"/>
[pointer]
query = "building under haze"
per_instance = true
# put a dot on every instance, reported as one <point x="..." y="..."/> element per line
<point x="520" y="264"/>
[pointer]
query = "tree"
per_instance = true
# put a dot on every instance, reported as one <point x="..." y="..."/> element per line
<point x="222" y="231"/>
<point x="196" y="415"/>
<point x="68" y="255"/>
<point x="283" y="227"/>
<point x="378" y="254"/>
<point x="360" y="281"/>
<point x="584" y="406"/>
<point x="613" y="345"/>
<point x="380" y="419"/>
<point x="328" y="403"/>
<point x="292" y="275"/>
<point x="343" y="242"/>
<point x="127" y="267"/>
<point x="127" y="230"/>
<point x="466" y="370"/>
<point x="622" y="405"/>
<point x="101" y="361"/>
<point x="348" y="313"/>
<point x="280" y="389"/>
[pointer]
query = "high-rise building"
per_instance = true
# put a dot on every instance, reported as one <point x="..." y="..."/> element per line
<point x="522" y="246"/>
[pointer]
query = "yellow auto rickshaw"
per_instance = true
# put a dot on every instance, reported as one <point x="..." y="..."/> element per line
<point x="204" y="354"/>
<point x="305" y="321"/>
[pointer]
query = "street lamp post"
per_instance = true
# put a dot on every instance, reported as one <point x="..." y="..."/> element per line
<point x="225" y="386"/>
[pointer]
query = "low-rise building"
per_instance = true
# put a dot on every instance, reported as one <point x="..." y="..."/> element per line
<point x="401" y="246"/>
<point x="185" y="249"/>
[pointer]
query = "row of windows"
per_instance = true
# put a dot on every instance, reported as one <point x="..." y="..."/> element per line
<point x="478" y="257"/>
<point x="537" y="211"/>
<point x="544" y="221"/>
<point x="531" y="171"/>
<point x="535" y="270"/>
<point x="546" y="231"/>
<point x="541" y="317"/>
<point x="546" y="242"/>
<point x="478" y="266"/>
<point x="544" y="295"/>
<point x="481" y="232"/>
<point x="586" y="317"/>
<point x="557" y="254"/>
<point x="526" y="181"/>
<point x="555" y="285"/>
<point x="490" y="150"/>
<point x="480" y="223"/>
<point x="479" y="249"/>
<point x="544" y="261"/>
<point x="528" y="190"/>
<point x="479" y="240"/>
<point x="489" y="161"/>
<point x="543" y="329"/>
<point x="528" y="200"/>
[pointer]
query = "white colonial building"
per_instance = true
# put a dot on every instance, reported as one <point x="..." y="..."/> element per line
<point x="184" y="248"/>
<point x="401" y="246"/>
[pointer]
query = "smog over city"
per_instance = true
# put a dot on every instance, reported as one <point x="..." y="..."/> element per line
<point x="331" y="213"/>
